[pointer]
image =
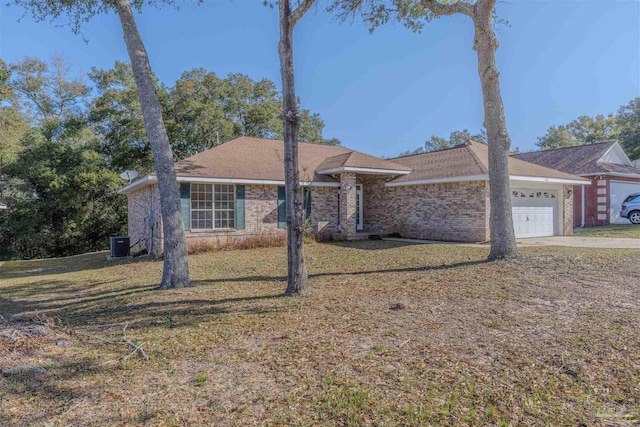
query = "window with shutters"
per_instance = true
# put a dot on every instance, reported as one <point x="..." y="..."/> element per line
<point x="213" y="206"/>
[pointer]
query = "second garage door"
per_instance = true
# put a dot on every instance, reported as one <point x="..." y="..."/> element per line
<point x="534" y="212"/>
<point x="620" y="190"/>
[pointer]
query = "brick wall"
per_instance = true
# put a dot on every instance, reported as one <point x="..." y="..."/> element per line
<point x="375" y="209"/>
<point x="577" y="205"/>
<point x="348" y="205"/>
<point x="567" y="210"/>
<point x="447" y="211"/>
<point x="324" y="210"/>
<point x="261" y="215"/>
<point x="139" y="204"/>
<point x="597" y="200"/>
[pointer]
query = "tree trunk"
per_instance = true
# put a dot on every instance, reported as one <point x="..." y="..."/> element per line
<point x="176" y="268"/>
<point x="297" y="279"/>
<point x="503" y="242"/>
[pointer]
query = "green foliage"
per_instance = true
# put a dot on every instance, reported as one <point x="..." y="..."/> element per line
<point x="623" y="127"/>
<point x="12" y="123"/>
<point x="205" y="110"/>
<point x="62" y="149"/>
<point x="557" y="137"/>
<point x="79" y="11"/>
<point x="201" y="111"/>
<point x="61" y="194"/>
<point x="48" y="95"/>
<point x="583" y="130"/>
<point x="628" y="119"/>
<point x="65" y="202"/>
<point x="116" y="116"/>
<point x="456" y="137"/>
<point x="6" y="92"/>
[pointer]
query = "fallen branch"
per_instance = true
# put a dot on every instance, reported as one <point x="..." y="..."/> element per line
<point x="433" y="308"/>
<point x="405" y="342"/>
<point x="137" y="348"/>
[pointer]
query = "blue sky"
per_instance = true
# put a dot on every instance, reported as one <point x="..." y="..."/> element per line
<point x="390" y="91"/>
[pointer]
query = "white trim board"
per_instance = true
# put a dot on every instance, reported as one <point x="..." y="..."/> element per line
<point x="620" y="174"/>
<point x="152" y="179"/>
<point x="486" y="178"/>
<point x="362" y="170"/>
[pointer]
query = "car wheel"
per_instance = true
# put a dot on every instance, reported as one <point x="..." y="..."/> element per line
<point x="634" y="217"/>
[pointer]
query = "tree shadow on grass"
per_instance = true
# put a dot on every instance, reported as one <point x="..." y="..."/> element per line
<point x="60" y="299"/>
<point x="49" y="386"/>
<point x="99" y="308"/>
<point x="377" y="244"/>
<point x="52" y="266"/>
<point x="188" y="311"/>
<point x="345" y="273"/>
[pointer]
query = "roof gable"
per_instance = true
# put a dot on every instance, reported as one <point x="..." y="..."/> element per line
<point x="358" y="160"/>
<point x="615" y="155"/>
<point x="591" y="159"/>
<point x="468" y="160"/>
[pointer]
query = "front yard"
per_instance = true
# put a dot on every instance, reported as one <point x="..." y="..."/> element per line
<point x="612" y="230"/>
<point x="394" y="334"/>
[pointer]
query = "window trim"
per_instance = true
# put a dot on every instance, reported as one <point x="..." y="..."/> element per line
<point x="213" y="209"/>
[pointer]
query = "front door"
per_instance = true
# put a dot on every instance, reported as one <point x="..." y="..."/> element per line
<point x="359" y="222"/>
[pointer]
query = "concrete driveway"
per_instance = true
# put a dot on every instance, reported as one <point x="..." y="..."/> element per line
<point x="571" y="241"/>
<point x="581" y="242"/>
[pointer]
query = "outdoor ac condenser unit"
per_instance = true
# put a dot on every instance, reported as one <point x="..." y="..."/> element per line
<point x="120" y="247"/>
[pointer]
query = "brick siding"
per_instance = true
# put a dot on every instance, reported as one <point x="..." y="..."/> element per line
<point x="448" y="211"/>
<point x="594" y="217"/>
<point x="567" y="210"/>
<point x="139" y="204"/>
<point x="261" y="215"/>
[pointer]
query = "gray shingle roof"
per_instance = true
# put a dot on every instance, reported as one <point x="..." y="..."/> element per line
<point x="581" y="159"/>
<point x="469" y="159"/>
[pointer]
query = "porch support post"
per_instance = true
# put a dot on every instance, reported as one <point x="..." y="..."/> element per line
<point x="348" y="205"/>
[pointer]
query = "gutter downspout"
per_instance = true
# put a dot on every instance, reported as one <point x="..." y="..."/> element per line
<point x="583" y="203"/>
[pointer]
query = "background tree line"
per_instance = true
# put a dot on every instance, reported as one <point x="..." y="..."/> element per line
<point x="624" y="127"/>
<point x="64" y="139"/>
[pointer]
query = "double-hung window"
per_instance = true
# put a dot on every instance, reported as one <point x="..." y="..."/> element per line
<point x="213" y="206"/>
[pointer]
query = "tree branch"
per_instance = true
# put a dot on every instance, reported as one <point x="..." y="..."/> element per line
<point x="442" y="9"/>
<point x="297" y="14"/>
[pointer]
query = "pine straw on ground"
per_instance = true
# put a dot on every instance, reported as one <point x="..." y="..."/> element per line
<point x="393" y="334"/>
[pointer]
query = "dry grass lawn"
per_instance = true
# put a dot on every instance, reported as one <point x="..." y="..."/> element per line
<point x="612" y="230"/>
<point x="394" y="334"/>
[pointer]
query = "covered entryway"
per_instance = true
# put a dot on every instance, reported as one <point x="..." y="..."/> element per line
<point x="534" y="212"/>
<point x="619" y="191"/>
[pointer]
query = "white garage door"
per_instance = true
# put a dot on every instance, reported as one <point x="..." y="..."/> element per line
<point x="619" y="191"/>
<point x="534" y="212"/>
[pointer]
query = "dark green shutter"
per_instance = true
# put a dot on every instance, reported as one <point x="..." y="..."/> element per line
<point x="282" y="208"/>
<point x="307" y="202"/>
<point x="240" y="207"/>
<point x="185" y="204"/>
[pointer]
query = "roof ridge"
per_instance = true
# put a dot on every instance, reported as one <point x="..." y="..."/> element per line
<point x="431" y="152"/>
<point x="476" y="158"/>
<point x="278" y="140"/>
<point x="564" y="148"/>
